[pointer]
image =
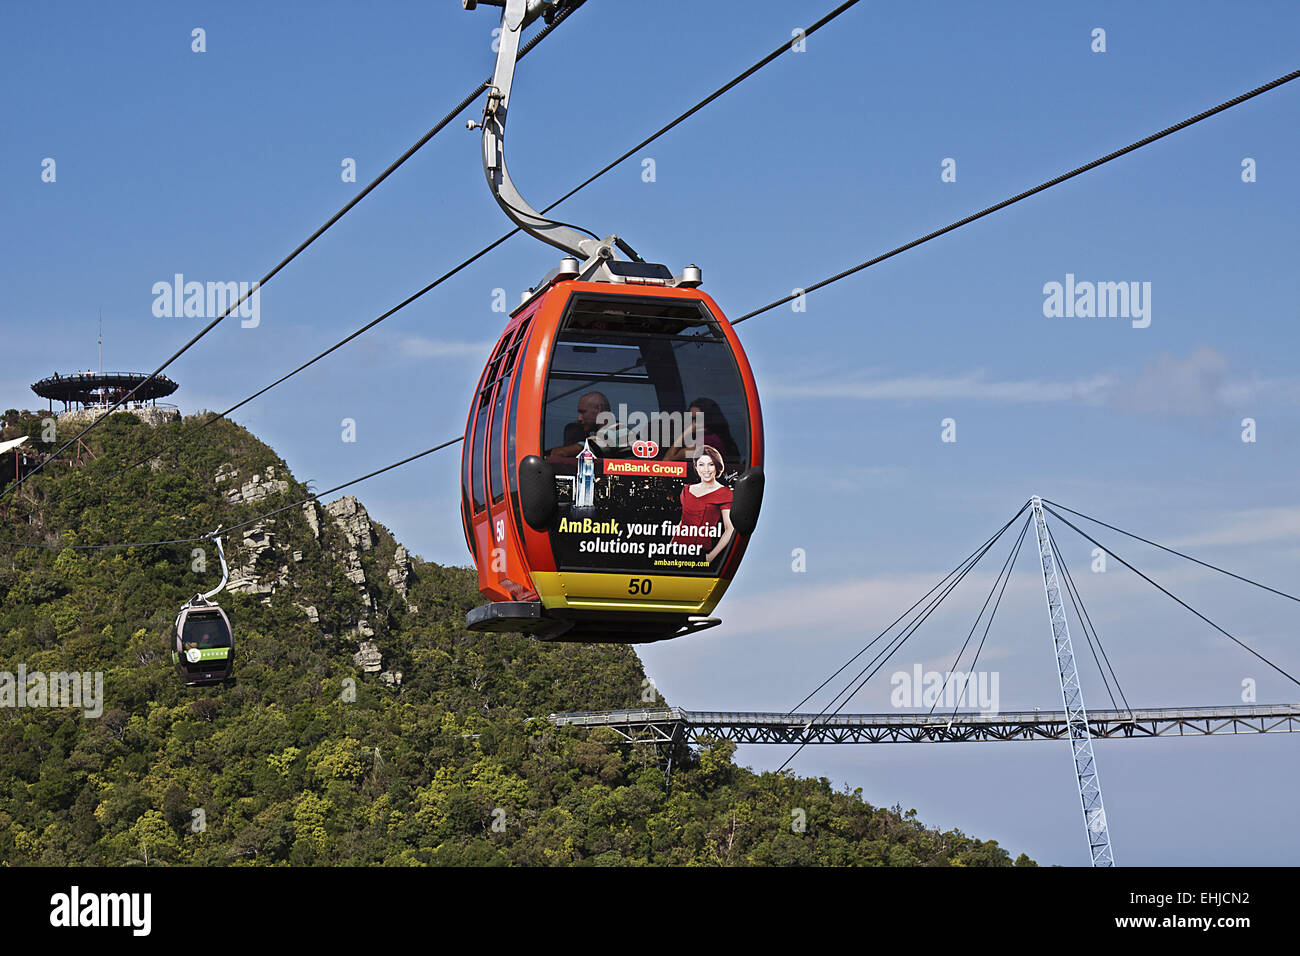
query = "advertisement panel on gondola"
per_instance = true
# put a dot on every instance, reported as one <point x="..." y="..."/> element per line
<point x="644" y="514"/>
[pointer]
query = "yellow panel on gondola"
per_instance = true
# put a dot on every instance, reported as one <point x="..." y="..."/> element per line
<point x="633" y="592"/>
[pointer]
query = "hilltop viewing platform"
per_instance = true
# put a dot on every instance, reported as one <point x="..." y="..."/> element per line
<point x="88" y="395"/>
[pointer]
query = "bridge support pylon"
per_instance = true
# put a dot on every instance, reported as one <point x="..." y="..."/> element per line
<point x="1085" y="764"/>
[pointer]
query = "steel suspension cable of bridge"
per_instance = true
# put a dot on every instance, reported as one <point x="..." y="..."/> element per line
<point x="464" y="104"/>
<point x="873" y="667"/>
<point x="874" y="670"/>
<point x="1080" y="614"/>
<point x="893" y="645"/>
<point x="997" y="604"/>
<point x="1081" y="611"/>
<point x="1003" y="578"/>
<point x="1085" y="622"/>
<point x="1170" y="594"/>
<point x="1187" y="557"/>
<point x="980" y="550"/>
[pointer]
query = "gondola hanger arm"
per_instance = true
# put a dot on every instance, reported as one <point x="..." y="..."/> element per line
<point x="225" y="569"/>
<point x="515" y="16"/>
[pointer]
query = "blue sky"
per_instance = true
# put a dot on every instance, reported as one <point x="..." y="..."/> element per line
<point x="215" y="165"/>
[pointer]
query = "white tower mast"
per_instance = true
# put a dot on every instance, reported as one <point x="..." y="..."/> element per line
<point x="1076" y="716"/>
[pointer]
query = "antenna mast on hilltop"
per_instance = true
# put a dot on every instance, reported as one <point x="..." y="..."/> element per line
<point x="101" y="340"/>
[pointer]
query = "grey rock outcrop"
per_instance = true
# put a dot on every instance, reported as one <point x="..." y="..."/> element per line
<point x="399" y="575"/>
<point x="351" y="517"/>
<point x="257" y="488"/>
<point x="149" y="414"/>
<point x="353" y="520"/>
<point x="243" y="576"/>
<point x="261" y="562"/>
<point x="368" y="658"/>
<point x="313" y="522"/>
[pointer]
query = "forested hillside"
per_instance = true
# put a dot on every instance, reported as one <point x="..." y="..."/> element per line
<point x="366" y="725"/>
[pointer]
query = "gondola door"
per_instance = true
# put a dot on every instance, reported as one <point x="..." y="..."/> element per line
<point x="502" y="568"/>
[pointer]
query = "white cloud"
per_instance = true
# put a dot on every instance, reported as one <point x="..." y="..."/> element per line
<point x="1252" y="526"/>
<point x="1197" y="385"/>
<point x="867" y="477"/>
<point x="970" y="385"/>
<point x="870" y="602"/>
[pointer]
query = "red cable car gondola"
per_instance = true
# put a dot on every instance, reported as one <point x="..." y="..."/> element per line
<point x="612" y="466"/>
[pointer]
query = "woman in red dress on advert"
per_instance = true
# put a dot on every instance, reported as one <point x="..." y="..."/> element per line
<point x="706" y="504"/>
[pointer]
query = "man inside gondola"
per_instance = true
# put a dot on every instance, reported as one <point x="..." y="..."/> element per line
<point x="590" y="406"/>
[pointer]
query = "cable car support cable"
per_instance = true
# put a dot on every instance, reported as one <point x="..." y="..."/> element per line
<point x="560" y="16"/>
<point x="1024" y="195"/>
<point x="241" y="524"/>
<point x="666" y="128"/>
<point x="771" y="56"/>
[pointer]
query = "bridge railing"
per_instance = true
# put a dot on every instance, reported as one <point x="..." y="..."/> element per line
<point x="768" y="718"/>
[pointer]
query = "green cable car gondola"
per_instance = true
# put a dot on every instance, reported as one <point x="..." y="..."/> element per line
<point x="203" y="644"/>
